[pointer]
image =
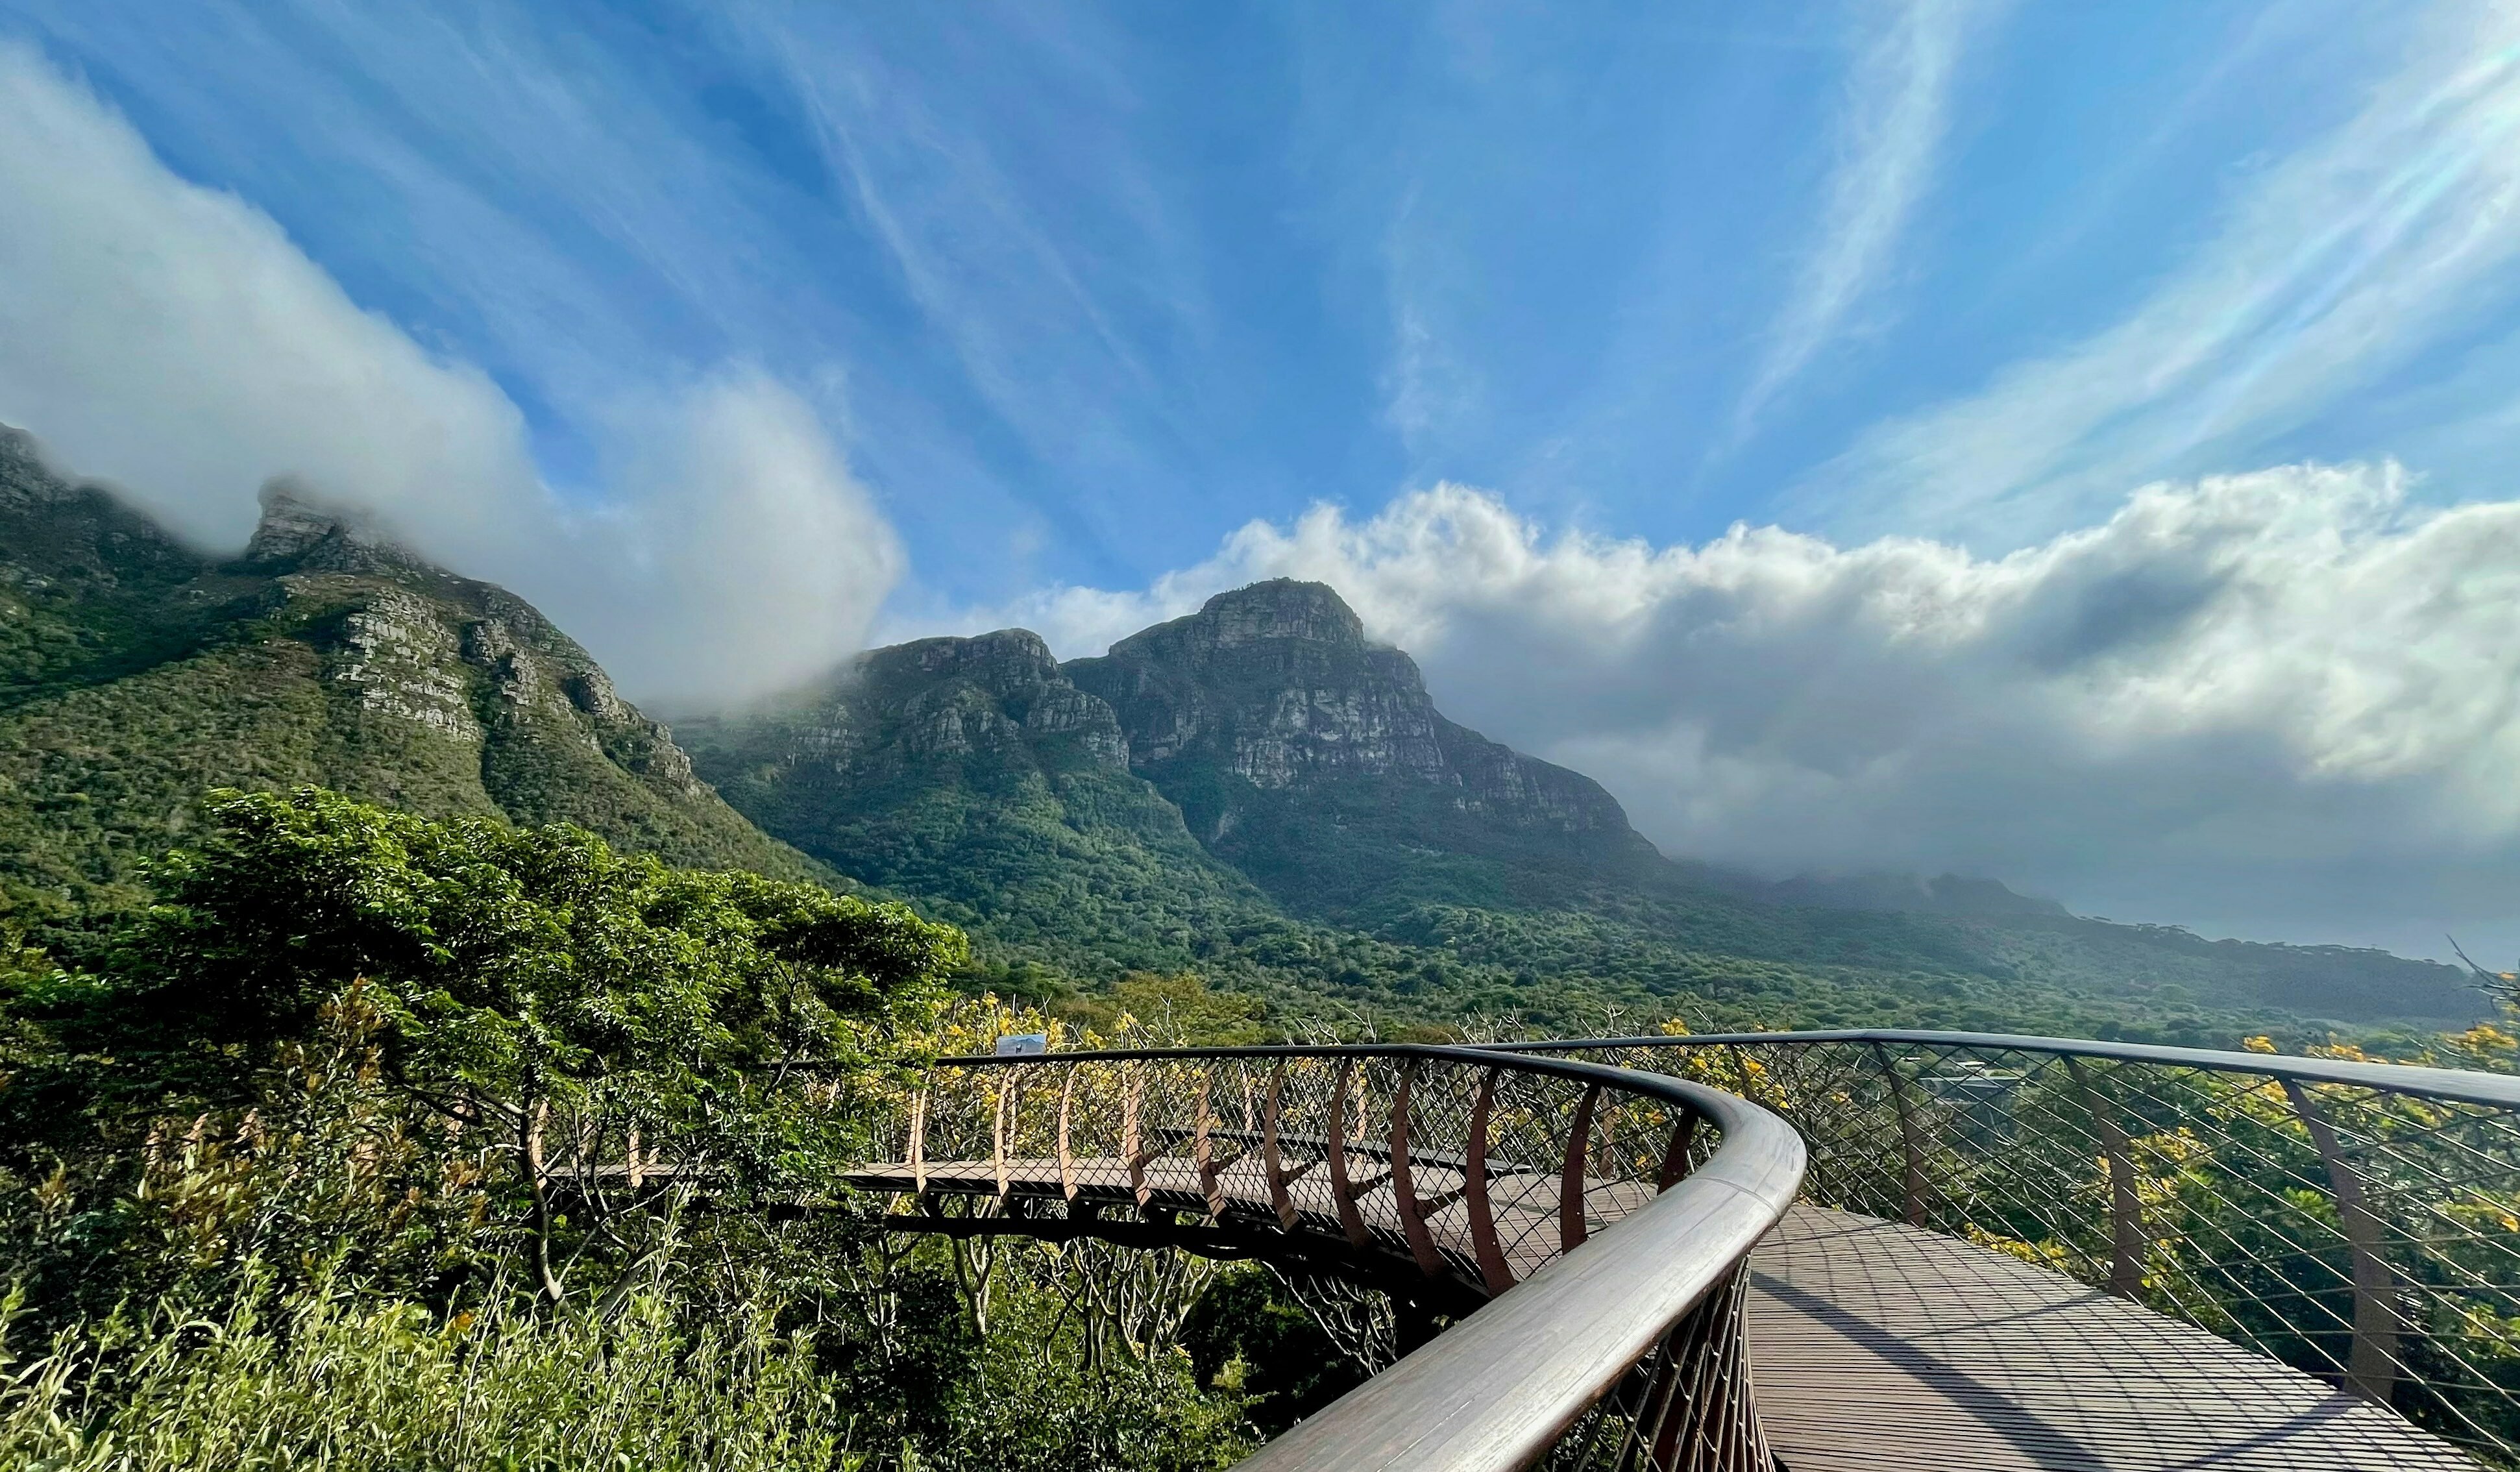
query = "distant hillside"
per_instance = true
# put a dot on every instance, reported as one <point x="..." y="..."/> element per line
<point x="135" y="672"/>
<point x="1316" y="764"/>
<point x="970" y="772"/>
<point x="1257" y="790"/>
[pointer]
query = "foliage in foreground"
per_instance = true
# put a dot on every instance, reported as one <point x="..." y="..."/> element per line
<point x="333" y="1378"/>
<point x="381" y="1142"/>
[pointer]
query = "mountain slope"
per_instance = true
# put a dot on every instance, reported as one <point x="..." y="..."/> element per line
<point x="135" y="672"/>
<point x="1253" y="792"/>
<point x="970" y="773"/>
<point x="1318" y="764"/>
<point x="1256" y="792"/>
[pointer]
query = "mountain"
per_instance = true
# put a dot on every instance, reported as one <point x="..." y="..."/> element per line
<point x="137" y="672"/>
<point x="1256" y="791"/>
<point x="1316" y="764"/>
<point x="975" y="776"/>
<point x="1259" y="791"/>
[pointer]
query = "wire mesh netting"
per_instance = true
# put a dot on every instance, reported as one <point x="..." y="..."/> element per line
<point x="1442" y="1175"/>
<point x="2366" y="1232"/>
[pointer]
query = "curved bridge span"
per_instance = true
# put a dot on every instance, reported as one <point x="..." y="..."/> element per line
<point x="1807" y="1251"/>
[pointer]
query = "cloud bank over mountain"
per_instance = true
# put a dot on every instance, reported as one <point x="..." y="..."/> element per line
<point x="172" y="340"/>
<point x="2285" y="702"/>
<point x="2273" y="703"/>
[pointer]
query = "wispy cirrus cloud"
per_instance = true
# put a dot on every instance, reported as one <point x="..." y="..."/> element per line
<point x="1025" y="230"/>
<point x="2342" y="262"/>
<point x="1890" y="130"/>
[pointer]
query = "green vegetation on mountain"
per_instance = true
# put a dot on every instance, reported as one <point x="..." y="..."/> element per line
<point x="136" y="674"/>
<point x="1256" y="793"/>
<point x="970" y="774"/>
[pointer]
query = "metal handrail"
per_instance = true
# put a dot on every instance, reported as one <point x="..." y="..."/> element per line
<point x="1642" y="1304"/>
<point x="2462" y="1085"/>
<point x="2357" y="1221"/>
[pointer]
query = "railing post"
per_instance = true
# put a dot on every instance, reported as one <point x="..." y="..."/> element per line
<point x="1132" y="1138"/>
<point x="1066" y="1157"/>
<point x="919" y="1144"/>
<point x="1342" y="1191"/>
<point x="1272" y="1163"/>
<point x="2126" y="1203"/>
<point x="1571" y="1229"/>
<point x="998" y="1124"/>
<point x="1493" y="1267"/>
<point x="1675" y="1156"/>
<point x="1911" y="1148"/>
<point x="1404" y="1181"/>
<point x="2371" y="1366"/>
<point x="1203" y="1148"/>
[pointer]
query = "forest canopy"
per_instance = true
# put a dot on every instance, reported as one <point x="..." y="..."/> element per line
<point x="460" y="1141"/>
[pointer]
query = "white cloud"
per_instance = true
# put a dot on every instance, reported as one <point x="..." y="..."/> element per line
<point x="2330" y="269"/>
<point x="2285" y="703"/>
<point x="173" y="339"/>
<point x="1890" y="134"/>
<point x="767" y="561"/>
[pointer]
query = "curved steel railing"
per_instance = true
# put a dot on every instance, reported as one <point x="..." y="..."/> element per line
<point x="2359" y="1221"/>
<point x="1448" y="1174"/>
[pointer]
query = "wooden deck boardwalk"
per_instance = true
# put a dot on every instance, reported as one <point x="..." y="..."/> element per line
<point x="1875" y="1347"/>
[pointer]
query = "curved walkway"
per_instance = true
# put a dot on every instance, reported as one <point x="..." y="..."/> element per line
<point x="1874" y="1345"/>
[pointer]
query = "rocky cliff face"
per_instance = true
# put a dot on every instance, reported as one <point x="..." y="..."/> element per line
<point x="469" y="661"/>
<point x="997" y="700"/>
<point x="1262" y="735"/>
<point x="1275" y="687"/>
<point x="997" y="693"/>
<point x="135" y="672"/>
<point x="973" y="775"/>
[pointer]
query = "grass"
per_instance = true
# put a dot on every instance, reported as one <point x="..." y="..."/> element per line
<point x="332" y="1378"/>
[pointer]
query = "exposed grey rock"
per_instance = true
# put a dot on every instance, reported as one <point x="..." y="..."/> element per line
<point x="1276" y="684"/>
<point x="300" y="532"/>
<point x="997" y="696"/>
<point x="402" y="660"/>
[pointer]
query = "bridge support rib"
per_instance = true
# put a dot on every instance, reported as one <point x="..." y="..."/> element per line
<point x="1912" y="1148"/>
<point x="2371" y="1366"/>
<point x="2126" y="1203"/>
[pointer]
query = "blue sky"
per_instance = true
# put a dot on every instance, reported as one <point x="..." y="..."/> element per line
<point x="1080" y="289"/>
<point x="2068" y="442"/>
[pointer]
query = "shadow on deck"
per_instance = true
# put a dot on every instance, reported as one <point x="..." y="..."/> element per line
<point x="1873" y="1344"/>
<point x="1878" y="1345"/>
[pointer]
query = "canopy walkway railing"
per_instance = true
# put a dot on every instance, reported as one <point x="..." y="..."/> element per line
<point x="2356" y="1221"/>
<point x="1618" y="1207"/>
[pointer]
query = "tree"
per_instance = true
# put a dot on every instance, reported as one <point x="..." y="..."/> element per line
<point x="627" y="1031"/>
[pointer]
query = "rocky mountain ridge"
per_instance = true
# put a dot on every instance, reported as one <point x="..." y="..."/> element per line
<point x="971" y="773"/>
<point x="136" y="672"/>
<point x="1275" y="686"/>
<point x="1254" y="792"/>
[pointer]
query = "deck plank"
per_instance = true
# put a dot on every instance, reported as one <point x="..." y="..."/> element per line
<point x="1875" y="1345"/>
